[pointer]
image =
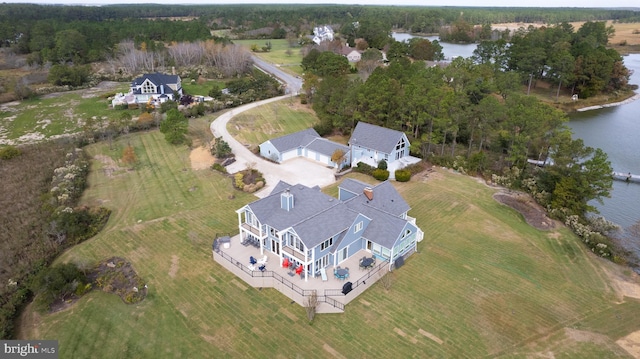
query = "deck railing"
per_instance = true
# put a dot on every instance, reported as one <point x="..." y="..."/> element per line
<point x="271" y="274"/>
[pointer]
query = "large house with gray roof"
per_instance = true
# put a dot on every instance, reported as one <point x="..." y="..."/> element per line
<point x="306" y="143"/>
<point x="153" y="88"/>
<point x="315" y="230"/>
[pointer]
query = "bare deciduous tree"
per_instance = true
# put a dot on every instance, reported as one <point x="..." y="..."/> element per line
<point x="310" y="305"/>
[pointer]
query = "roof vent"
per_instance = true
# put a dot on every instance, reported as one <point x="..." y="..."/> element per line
<point x="368" y="192"/>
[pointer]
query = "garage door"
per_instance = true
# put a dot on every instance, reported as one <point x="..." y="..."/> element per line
<point x="324" y="159"/>
<point x="289" y="154"/>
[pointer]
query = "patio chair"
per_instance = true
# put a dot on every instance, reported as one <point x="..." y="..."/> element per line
<point x="251" y="267"/>
<point x="263" y="260"/>
<point x="252" y="260"/>
<point x="262" y="268"/>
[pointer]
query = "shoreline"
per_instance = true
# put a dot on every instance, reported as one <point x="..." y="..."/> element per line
<point x="614" y="104"/>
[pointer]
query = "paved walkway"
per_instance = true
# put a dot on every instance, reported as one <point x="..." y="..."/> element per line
<point x="294" y="171"/>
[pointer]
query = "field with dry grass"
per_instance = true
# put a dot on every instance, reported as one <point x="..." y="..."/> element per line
<point x="626" y="38"/>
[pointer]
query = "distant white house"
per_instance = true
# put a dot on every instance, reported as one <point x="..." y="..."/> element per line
<point x="351" y="54"/>
<point x="322" y="33"/>
<point x="306" y="143"/>
<point x="151" y="88"/>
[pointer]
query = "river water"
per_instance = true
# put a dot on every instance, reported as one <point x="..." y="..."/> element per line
<point x="616" y="130"/>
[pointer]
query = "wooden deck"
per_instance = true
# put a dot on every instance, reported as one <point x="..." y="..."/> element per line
<point x="236" y="259"/>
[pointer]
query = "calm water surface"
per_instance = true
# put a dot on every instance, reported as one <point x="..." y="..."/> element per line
<point x="616" y="130"/>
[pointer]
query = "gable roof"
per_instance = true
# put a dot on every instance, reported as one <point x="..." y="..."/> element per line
<point x="375" y="137"/>
<point x="385" y="197"/>
<point x="157" y="79"/>
<point x="326" y="147"/>
<point x="316" y="216"/>
<point x="294" y="140"/>
<point x="307" y="202"/>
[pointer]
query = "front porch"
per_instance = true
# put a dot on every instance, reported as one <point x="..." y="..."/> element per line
<point x="235" y="257"/>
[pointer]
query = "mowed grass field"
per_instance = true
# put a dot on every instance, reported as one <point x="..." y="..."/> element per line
<point x="273" y="120"/>
<point x="483" y="283"/>
<point x="278" y="54"/>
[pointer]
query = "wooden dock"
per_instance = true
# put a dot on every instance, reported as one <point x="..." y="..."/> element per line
<point x="627" y="177"/>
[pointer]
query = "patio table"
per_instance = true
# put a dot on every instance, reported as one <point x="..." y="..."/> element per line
<point x="367" y="262"/>
<point x="342" y="273"/>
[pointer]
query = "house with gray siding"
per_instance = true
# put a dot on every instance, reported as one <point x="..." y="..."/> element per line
<point x="306" y="143"/>
<point x="315" y="230"/>
<point x="371" y="144"/>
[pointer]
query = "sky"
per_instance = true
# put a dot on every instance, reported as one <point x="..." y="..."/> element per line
<point x="500" y="3"/>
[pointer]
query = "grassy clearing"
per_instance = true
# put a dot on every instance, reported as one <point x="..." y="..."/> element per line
<point x="200" y="88"/>
<point x="278" y="54"/>
<point x="273" y="120"/>
<point x="483" y="282"/>
<point x="55" y="115"/>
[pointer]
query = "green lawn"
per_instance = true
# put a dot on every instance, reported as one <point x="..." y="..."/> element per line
<point x="270" y="121"/>
<point x="483" y="283"/>
<point x="57" y="115"/>
<point x="200" y="89"/>
<point x="278" y="54"/>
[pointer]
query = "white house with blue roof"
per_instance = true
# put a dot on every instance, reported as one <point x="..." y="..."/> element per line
<point x="306" y="143"/>
<point x="315" y="230"/>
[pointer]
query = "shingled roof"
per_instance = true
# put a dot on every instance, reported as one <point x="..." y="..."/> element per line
<point x="375" y="137"/>
<point x="294" y="140"/>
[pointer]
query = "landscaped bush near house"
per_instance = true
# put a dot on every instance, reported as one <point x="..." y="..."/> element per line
<point x="380" y="175"/>
<point x="218" y="167"/>
<point x="364" y="168"/>
<point x="403" y="175"/>
<point x="382" y="165"/>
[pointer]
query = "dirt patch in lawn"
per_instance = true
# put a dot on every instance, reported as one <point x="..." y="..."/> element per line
<point x="109" y="166"/>
<point x="115" y="275"/>
<point x="631" y="343"/>
<point x="532" y="212"/>
<point x="201" y="158"/>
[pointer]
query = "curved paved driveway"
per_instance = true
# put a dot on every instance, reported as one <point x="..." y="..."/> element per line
<point x="294" y="171"/>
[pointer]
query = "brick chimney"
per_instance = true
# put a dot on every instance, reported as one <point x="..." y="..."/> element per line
<point x="368" y="192"/>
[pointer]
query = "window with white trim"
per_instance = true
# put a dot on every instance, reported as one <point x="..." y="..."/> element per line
<point x="148" y="87"/>
<point x="326" y="244"/>
<point x="358" y="227"/>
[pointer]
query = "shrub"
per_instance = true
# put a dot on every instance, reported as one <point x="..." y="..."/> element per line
<point x="221" y="148"/>
<point x="380" y="174"/>
<point x="403" y="175"/>
<point x="9" y="152"/>
<point x="382" y="165"/>
<point x="55" y="283"/>
<point x="239" y="182"/>
<point x="218" y="167"/>
<point x="364" y="168"/>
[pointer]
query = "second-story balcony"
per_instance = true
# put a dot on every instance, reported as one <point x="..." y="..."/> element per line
<point x="253" y="230"/>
